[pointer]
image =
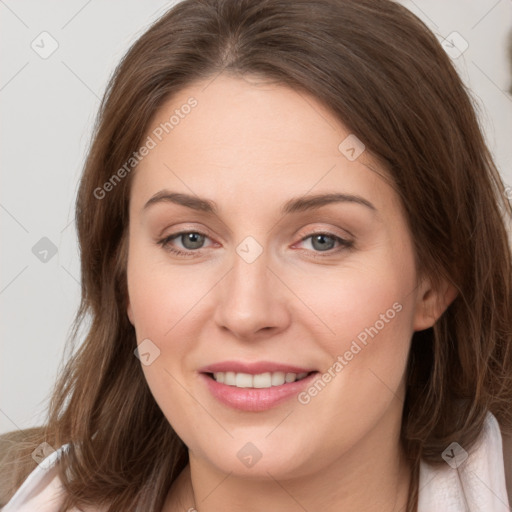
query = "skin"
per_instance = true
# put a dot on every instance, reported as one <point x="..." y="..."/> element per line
<point x="250" y="146"/>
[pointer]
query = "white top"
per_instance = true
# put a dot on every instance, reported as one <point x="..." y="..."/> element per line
<point x="473" y="482"/>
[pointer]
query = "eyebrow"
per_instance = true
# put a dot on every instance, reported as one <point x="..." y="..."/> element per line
<point x="294" y="205"/>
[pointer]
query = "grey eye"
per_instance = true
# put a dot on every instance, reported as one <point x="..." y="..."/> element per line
<point x="192" y="240"/>
<point x="322" y="242"/>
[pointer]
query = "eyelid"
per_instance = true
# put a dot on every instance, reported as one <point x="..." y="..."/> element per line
<point x="330" y="231"/>
<point x="183" y="227"/>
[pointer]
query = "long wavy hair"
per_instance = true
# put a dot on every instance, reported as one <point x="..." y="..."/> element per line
<point x="386" y="77"/>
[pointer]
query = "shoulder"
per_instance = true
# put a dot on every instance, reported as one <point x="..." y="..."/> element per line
<point x="471" y="480"/>
<point x="42" y="490"/>
<point x="507" y="457"/>
<point x="16" y="462"/>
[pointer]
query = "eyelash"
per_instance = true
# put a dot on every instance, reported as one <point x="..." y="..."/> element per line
<point x="344" y="244"/>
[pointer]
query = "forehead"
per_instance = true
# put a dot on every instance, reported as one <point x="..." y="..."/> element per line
<point x="245" y="112"/>
<point x="248" y="137"/>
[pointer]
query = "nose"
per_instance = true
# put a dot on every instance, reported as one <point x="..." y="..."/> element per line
<point x="251" y="300"/>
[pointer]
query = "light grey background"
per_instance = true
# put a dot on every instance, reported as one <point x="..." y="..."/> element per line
<point x="48" y="108"/>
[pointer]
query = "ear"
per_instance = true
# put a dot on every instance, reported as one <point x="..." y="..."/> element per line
<point x="129" y="311"/>
<point x="432" y="302"/>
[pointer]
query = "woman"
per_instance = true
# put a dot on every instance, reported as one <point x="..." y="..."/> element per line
<point x="297" y="274"/>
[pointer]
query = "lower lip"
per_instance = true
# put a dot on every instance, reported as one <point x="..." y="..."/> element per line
<point x="255" y="399"/>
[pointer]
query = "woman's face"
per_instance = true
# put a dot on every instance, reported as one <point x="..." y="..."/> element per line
<point x="295" y="258"/>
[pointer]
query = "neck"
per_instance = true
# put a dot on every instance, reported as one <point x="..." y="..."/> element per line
<point x="384" y="492"/>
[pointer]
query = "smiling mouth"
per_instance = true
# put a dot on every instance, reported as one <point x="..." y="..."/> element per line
<point x="258" y="381"/>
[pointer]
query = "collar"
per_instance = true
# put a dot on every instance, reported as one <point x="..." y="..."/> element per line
<point x="468" y="481"/>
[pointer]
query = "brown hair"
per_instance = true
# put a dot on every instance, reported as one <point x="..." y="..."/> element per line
<point x="381" y="71"/>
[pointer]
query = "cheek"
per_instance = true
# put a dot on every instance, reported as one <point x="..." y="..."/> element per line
<point x="161" y="295"/>
<point x="367" y="302"/>
<point x="367" y="314"/>
<point x="162" y="302"/>
<point x="369" y="311"/>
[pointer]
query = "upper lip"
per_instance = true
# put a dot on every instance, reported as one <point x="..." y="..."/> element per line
<point x="254" y="368"/>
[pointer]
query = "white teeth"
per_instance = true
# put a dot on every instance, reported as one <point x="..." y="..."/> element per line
<point x="290" y="377"/>
<point x="243" y="380"/>
<point x="229" y="378"/>
<point x="261" y="380"/>
<point x="277" y="378"/>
